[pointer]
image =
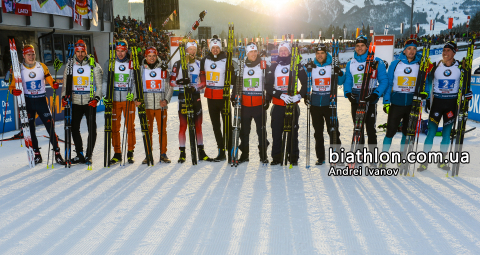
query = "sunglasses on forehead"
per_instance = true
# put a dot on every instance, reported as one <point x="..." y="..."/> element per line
<point x="79" y="44"/>
<point x="121" y="43"/>
<point x="410" y="41"/>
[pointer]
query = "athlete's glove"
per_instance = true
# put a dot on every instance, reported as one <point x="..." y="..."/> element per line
<point x="130" y="97"/>
<point x="55" y="85"/>
<point x="307" y="101"/>
<point x="94" y="102"/>
<point x="16" y="92"/>
<point x="286" y="98"/>
<point x="423" y="95"/>
<point x="469" y="95"/>
<point x="296" y="98"/>
<point x="183" y="81"/>
<point x="64" y="100"/>
<point x="352" y="98"/>
<point x="338" y="70"/>
<point x="427" y="106"/>
<point x="386" y="108"/>
<point x="372" y="97"/>
<point x="266" y="105"/>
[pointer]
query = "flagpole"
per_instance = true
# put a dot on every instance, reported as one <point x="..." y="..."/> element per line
<point x="411" y="20"/>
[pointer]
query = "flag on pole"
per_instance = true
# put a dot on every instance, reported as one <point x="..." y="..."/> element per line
<point x="358" y="32"/>
<point x="301" y="36"/>
<point x="150" y="27"/>
<point x="345" y="33"/>
<point x="371" y="32"/>
<point x="283" y="37"/>
<point x="450" y="23"/>
<point x="401" y="28"/>
<point x="386" y="29"/>
<point x="417" y="28"/>
<point x="291" y="38"/>
<point x="319" y="35"/>
<point x="431" y="25"/>
<point x="468" y="21"/>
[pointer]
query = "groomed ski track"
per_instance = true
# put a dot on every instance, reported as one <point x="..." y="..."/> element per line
<point x="213" y="208"/>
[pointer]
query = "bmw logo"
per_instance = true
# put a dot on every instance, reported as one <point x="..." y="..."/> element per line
<point x="153" y="74"/>
<point x="284" y="70"/>
<point x="32" y="75"/>
<point x="407" y="70"/>
<point x="251" y="72"/>
<point x="321" y="72"/>
<point x="191" y="68"/>
<point x="447" y="72"/>
<point x="121" y="68"/>
<point x="360" y="67"/>
<point x="80" y="70"/>
<point x="213" y="66"/>
<point x="436" y="114"/>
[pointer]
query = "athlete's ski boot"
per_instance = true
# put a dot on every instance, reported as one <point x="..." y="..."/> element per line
<point x="164" y="158"/>
<point x="443" y="166"/>
<point x="202" y="155"/>
<point x="38" y="157"/>
<point x="319" y="162"/>
<point x="422" y="167"/>
<point x="183" y="155"/>
<point x="276" y="160"/>
<point x="130" y="157"/>
<point x="79" y="159"/>
<point x="88" y="160"/>
<point x="221" y="155"/>
<point x="263" y="155"/>
<point x="58" y="157"/>
<point x="117" y="157"/>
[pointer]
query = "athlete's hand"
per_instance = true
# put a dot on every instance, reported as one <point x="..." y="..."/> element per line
<point x="130" y="97"/>
<point x="16" y="92"/>
<point x="372" y="97"/>
<point x="338" y="70"/>
<point x="423" y="95"/>
<point x="286" y="98"/>
<point x="93" y="102"/>
<point x="163" y="103"/>
<point x="183" y="81"/>
<point x="296" y="98"/>
<point x="386" y="108"/>
<point x="266" y="105"/>
<point x="351" y="98"/>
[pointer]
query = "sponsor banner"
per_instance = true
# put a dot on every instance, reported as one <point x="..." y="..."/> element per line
<point x="384" y="46"/>
<point x="7" y="110"/>
<point x="63" y="7"/>
<point x="18" y="7"/>
<point x="474" y="104"/>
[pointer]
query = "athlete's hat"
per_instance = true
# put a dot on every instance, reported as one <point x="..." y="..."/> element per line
<point x="286" y="45"/>
<point x="215" y="42"/>
<point x="250" y="47"/>
<point x="80" y="46"/>
<point x="28" y="49"/>
<point x="191" y="44"/>
<point x="150" y="49"/>
<point x="361" y="39"/>
<point x="121" y="45"/>
<point x="451" y="45"/>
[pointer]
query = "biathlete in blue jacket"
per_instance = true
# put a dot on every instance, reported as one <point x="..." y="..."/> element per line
<point x="353" y="84"/>
<point x="398" y="97"/>
<point x="320" y="99"/>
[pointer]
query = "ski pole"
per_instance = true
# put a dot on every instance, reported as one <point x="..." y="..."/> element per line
<point x="56" y="65"/>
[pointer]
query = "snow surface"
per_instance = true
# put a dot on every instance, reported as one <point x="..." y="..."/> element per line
<point x="213" y="208"/>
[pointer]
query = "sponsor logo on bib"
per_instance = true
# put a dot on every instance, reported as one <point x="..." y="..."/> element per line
<point x="322" y="72"/>
<point x="251" y="72"/>
<point x="153" y="74"/>
<point x="191" y="69"/>
<point x="284" y="70"/>
<point x="32" y="75"/>
<point x="407" y="70"/>
<point x="80" y="70"/>
<point x="121" y="68"/>
<point x="447" y="72"/>
<point x="213" y="66"/>
<point x="360" y="67"/>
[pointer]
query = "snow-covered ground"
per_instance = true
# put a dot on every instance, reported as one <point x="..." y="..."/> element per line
<point x="213" y="208"/>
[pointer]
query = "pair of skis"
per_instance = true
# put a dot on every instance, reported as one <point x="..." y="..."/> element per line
<point x="189" y="111"/>
<point x="237" y="109"/>
<point x="22" y="107"/>
<point x="142" y="115"/>
<point x="226" y="89"/>
<point x="108" y="102"/>
<point x="333" y="94"/>
<point x="462" y="105"/>
<point x="290" y="110"/>
<point x="415" y="117"/>
<point x="68" y="108"/>
<point x="362" y="107"/>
